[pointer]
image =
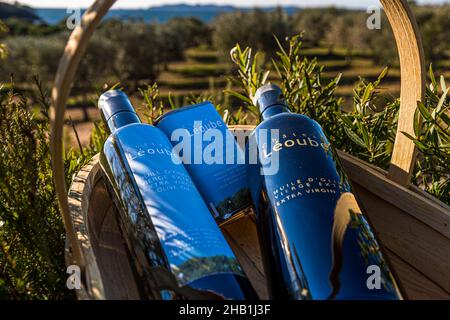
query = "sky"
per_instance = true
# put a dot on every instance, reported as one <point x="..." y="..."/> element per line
<point x="240" y="3"/>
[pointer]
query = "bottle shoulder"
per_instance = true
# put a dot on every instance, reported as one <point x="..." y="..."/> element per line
<point x="131" y="128"/>
<point x="286" y="118"/>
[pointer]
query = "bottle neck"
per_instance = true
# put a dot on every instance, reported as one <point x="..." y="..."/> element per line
<point x="121" y="119"/>
<point x="274" y="110"/>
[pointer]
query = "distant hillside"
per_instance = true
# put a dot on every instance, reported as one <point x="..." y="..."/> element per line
<point x="17" y="11"/>
<point x="161" y="14"/>
<point x="192" y="8"/>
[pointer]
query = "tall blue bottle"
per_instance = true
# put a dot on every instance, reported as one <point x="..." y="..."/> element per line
<point x="176" y="249"/>
<point x="316" y="242"/>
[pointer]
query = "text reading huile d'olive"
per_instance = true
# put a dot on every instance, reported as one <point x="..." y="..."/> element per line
<point x="302" y="187"/>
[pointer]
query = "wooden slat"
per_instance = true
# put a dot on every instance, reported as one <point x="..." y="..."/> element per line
<point x="412" y="240"/>
<point x="412" y="83"/>
<point x="108" y="245"/>
<point x="417" y="285"/>
<point x="243" y="239"/>
<point x="79" y="196"/>
<point x="430" y="211"/>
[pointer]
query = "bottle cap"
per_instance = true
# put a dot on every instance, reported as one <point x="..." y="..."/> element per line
<point x="112" y="102"/>
<point x="268" y="95"/>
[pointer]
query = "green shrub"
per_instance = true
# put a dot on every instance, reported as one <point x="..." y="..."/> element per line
<point x="434" y="24"/>
<point x="32" y="55"/>
<point x="31" y="232"/>
<point x="253" y="29"/>
<point x="371" y="125"/>
<point x="178" y="34"/>
<point x="3" y="48"/>
<point x="432" y="138"/>
<point x="32" y="236"/>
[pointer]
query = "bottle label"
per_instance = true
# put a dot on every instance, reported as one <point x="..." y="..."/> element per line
<point x="212" y="157"/>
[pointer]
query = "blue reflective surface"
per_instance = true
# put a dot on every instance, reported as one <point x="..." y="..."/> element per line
<point x="173" y="240"/>
<point x="316" y="243"/>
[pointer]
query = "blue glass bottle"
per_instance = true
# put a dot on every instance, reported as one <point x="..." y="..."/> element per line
<point x="316" y="242"/>
<point x="177" y="250"/>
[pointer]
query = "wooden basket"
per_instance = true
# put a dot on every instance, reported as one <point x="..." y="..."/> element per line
<point x="414" y="228"/>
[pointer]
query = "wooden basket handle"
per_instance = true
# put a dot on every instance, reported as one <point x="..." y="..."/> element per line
<point x="412" y="86"/>
<point x="68" y="65"/>
<point x="412" y="68"/>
